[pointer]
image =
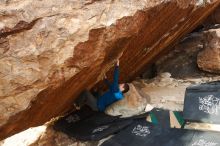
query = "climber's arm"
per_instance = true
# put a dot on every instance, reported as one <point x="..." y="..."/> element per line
<point x="116" y="75"/>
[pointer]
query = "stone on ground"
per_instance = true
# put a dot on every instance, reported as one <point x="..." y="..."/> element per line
<point x="209" y="58"/>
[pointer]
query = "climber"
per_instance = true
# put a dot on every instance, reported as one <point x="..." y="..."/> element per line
<point x="114" y="93"/>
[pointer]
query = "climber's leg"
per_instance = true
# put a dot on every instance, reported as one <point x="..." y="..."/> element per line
<point x="87" y="98"/>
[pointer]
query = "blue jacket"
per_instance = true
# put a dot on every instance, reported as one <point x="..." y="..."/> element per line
<point x="113" y="94"/>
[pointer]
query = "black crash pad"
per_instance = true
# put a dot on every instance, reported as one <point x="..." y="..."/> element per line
<point x="139" y="133"/>
<point x="65" y="122"/>
<point x="202" y="103"/>
<point x="142" y="133"/>
<point x="166" y="119"/>
<point x="100" y="126"/>
<point x="160" y="117"/>
<point x="183" y="137"/>
<point x="89" y="131"/>
<point x="86" y="124"/>
<point x="201" y="138"/>
<point x="100" y="118"/>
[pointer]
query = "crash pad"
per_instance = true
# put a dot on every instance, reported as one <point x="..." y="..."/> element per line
<point x="202" y="138"/>
<point x="165" y="118"/>
<point x="100" y="118"/>
<point x="202" y="103"/>
<point x="65" y="122"/>
<point x="176" y="119"/>
<point x="160" y="117"/>
<point x="85" y="124"/>
<point x="100" y="126"/>
<point x="142" y="133"/>
<point x="183" y="137"/>
<point x="89" y="131"/>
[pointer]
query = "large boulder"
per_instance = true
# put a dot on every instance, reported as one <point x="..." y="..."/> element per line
<point x="209" y="58"/>
<point x="51" y="50"/>
<point x="181" y="62"/>
<point x="132" y="104"/>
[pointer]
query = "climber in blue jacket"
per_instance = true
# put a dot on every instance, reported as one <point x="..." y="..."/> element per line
<point x="114" y="93"/>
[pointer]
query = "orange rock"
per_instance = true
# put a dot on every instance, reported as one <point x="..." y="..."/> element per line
<point x="209" y="58"/>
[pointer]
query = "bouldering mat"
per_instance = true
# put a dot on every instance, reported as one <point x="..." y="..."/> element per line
<point x="202" y="103"/>
<point x="176" y="119"/>
<point x="183" y="137"/>
<point x="139" y="133"/>
<point x="100" y="118"/>
<point x="177" y="137"/>
<point x="89" y="131"/>
<point x="65" y="122"/>
<point x="160" y="117"/>
<point x="86" y="124"/>
<point x="142" y="133"/>
<point x="165" y="118"/>
<point x="201" y="138"/>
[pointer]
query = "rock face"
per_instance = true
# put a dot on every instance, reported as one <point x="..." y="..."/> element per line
<point x="182" y="61"/>
<point x="209" y="58"/>
<point x="52" y="50"/>
<point x="132" y="104"/>
<point x="164" y="91"/>
<point x="214" y="18"/>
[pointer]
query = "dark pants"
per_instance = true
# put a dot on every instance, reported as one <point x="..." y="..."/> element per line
<point x="87" y="98"/>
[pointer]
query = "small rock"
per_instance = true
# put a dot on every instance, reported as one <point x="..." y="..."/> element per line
<point x="209" y="58"/>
